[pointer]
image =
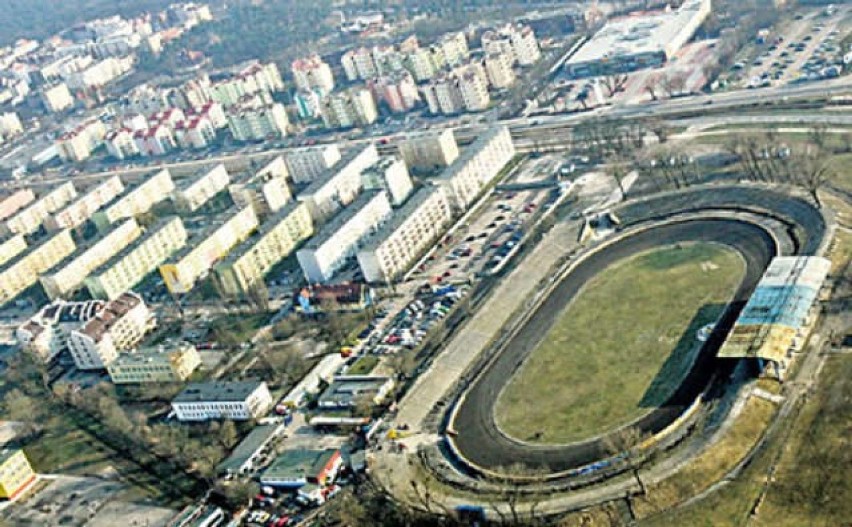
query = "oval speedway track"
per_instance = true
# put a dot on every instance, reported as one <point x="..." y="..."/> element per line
<point x="482" y="444"/>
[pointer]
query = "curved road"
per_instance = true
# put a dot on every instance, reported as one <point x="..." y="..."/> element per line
<point x="478" y="438"/>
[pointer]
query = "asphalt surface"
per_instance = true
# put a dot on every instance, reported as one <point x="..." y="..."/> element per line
<point x="479" y="440"/>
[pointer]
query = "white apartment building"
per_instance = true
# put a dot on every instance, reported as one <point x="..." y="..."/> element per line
<point x="192" y="193"/>
<point x="454" y="48"/>
<point x="57" y="98"/>
<point x="477" y="167"/>
<point x="498" y="66"/>
<point x="277" y="237"/>
<point x="516" y="41"/>
<point x="427" y="150"/>
<point x="135" y="261"/>
<point x="359" y="64"/>
<point x="391" y="251"/>
<point x="194" y="261"/>
<point x="120" y="325"/>
<point x="70" y="274"/>
<point x="307" y="164"/>
<point x="338" y="186"/>
<point x="473" y="85"/>
<point x="120" y="144"/>
<point x="254" y="121"/>
<point x="265" y="190"/>
<point x="155" y="141"/>
<point x="338" y="240"/>
<point x="353" y="107"/>
<point x="79" y="143"/>
<point x="20" y="273"/>
<point x="237" y="401"/>
<point x="443" y="95"/>
<point x="11" y="246"/>
<point x="46" y="333"/>
<point x="196" y="132"/>
<point x="420" y="62"/>
<point x="30" y="219"/>
<point x="10" y="125"/>
<point x="81" y="209"/>
<point x="311" y="72"/>
<point x="137" y="199"/>
<point x="391" y="175"/>
<point x="12" y="202"/>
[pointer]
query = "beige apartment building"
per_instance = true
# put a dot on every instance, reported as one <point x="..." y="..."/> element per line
<point x="12" y="202"/>
<point x="265" y="190"/>
<point x="81" y="209"/>
<point x="477" y="166"/>
<point x="168" y="362"/>
<point x="308" y="164"/>
<point x="22" y="272"/>
<point x="194" y="192"/>
<point x="134" y="262"/>
<point x="249" y="262"/>
<point x="427" y="151"/>
<point x="11" y="246"/>
<point x="30" y="219"/>
<point x="137" y="199"/>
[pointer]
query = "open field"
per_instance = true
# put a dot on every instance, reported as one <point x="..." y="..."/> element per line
<point x="622" y="347"/>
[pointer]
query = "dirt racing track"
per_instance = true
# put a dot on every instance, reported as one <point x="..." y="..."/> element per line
<point x="730" y="216"/>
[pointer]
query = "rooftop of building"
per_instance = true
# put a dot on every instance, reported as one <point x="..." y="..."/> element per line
<point x="217" y="391"/>
<point x="162" y="353"/>
<point x="399" y="217"/>
<point x="34" y="248"/>
<point x="298" y="464"/>
<point x="347" y="390"/>
<point x="342" y="218"/>
<point x="198" y="175"/>
<point x="332" y="173"/>
<point x="247" y="448"/>
<point x="345" y="293"/>
<point x="148" y="234"/>
<point x="265" y="228"/>
<point x="210" y="230"/>
<point x="112" y="312"/>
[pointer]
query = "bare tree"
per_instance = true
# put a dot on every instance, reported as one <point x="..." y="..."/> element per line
<point x="814" y="168"/>
<point x="614" y="83"/>
<point x="818" y="135"/>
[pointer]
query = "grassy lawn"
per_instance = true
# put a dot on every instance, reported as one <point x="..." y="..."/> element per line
<point x="364" y="365"/>
<point x="622" y="346"/>
<point x="238" y="328"/>
<point x="841" y="165"/>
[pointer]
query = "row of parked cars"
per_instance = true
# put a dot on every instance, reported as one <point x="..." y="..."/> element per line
<point x="421" y="315"/>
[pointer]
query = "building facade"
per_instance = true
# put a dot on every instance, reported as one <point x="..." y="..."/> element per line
<point x="82" y="209"/>
<point x="428" y="151"/>
<point x="238" y="401"/>
<point x="169" y="362"/>
<point x="308" y="164"/>
<point x="137" y="199"/>
<point x="46" y="333"/>
<point x="23" y="272"/>
<point x="391" y="175"/>
<point x="477" y="167"/>
<point x="265" y="190"/>
<point x="340" y="185"/>
<point x="29" y="219"/>
<point x="192" y="193"/>
<point x="16" y="473"/>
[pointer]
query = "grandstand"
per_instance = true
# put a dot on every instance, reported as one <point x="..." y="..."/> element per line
<point x="778" y="316"/>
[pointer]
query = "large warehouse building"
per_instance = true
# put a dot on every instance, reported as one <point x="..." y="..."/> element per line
<point x="778" y="316"/>
<point x="635" y="42"/>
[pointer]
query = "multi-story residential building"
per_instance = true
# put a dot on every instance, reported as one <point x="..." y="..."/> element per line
<point x="265" y="190"/>
<point x="498" y="66"/>
<point x="398" y="90"/>
<point x="11" y="246"/>
<point x="134" y="262"/>
<point x="100" y="73"/>
<point x="70" y="274"/>
<point x="443" y="95"/>
<point x="391" y="175"/>
<point x="359" y="64"/>
<point x="57" y="98"/>
<point x="79" y="143"/>
<point x="473" y="85"/>
<point x="10" y="125"/>
<point x="12" y="202"/>
<point x="134" y="121"/>
<point x="311" y="72"/>
<point x="477" y="166"/>
<point x="120" y="143"/>
<point x="16" y="474"/>
<point x="391" y="251"/>
<point x="337" y="241"/>
<point x="167" y="362"/>
<point x="276" y="238"/>
<point x="420" y="62"/>
<point x="197" y="132"/>
<point x="192" y="193"/>
<point x="194" y="93"/>
<point x="81" y="209"/>
<point x="308" y="164"/>
<point x="525" y="46"/>
<point x="28" y="220"/>
<point x="137" y="199"/>
<point x="339" y="185"/>
<point x="155" y="141"/>
<point x="353" y="107"/>
<point x="213" y="112"/>
<point x="238" y="401"/>
<point x="46" y="333"/>
<point x="308" y="104"/>
<point x="168" y="117"/>
<point x="454" y="48"/>
<point x="195" y="260"/>
<point x="427" y="151"/>
<point x="254" y="121"/>
<point x="22" y="272"/>
<point x="120" y="325"/>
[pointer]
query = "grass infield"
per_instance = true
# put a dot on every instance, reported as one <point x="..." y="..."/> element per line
<point x="622" y="346"/>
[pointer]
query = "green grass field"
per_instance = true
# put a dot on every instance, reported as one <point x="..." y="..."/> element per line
<point x="622" y="346"/>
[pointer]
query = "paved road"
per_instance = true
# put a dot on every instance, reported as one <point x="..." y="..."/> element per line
<point x="479" y="439"/>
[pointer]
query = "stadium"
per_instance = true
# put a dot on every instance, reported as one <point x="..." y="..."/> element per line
<point x="769" y="237"/>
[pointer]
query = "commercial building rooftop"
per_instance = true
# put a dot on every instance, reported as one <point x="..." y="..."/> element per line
<point x="259" y="437"/>
<point x="298" y="464"/>
<point x="217" y="391"/>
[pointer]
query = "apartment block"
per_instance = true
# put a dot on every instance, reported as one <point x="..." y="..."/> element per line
<point x="516" y="41"/>
<point x="473" y="86"/>
<point x="265" y="190"/>
<point x="137" y="199"/>
<point x="22" y="272"/>
<point x="120" y="144"/>
<point x="120" y="325"/>
<point x="57" y="98"/>
<point x="390" y="252"/>
<point x="255" y="121"/>
<point x="28" y="220"/>
<point x="338" y="240"/>
<point x="78" y="144"/>
<point x="276" y="238"/>
<point x="70" y="274"/>
<point x="11" y="246"/>
<point x="46" y="333"/>
<point x="397" y="90"/>
<point x="81" y="209"/>
<point x="192" y="193"/>
<point x="11" y="203"/>
<point x="353" y="107"/>
<point x="391" y="175"/>
<point x="308" y="164"/>
<point x="16" y="474"/>
<point x="477" y="166"/>
<point x="339" y="185"/>
<point x="168" y="362"/>
<point x="10" y="125"/>
<point x="195" y="260"/>
<point x="134" y="262"/>
<point x="311" y="72"/>
<point x="498" y="67"/>
<point x="443" y="95"/>
<point x="428" y="151"/>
